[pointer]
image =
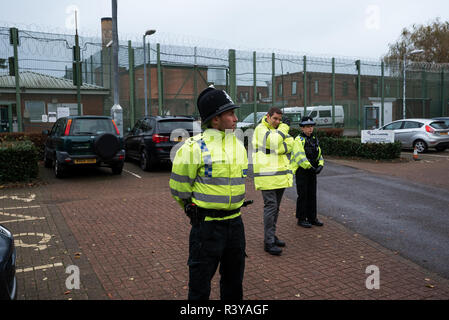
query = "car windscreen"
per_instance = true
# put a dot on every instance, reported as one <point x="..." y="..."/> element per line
<point x="250" y="117"/>
<point x="439" y="125"/>
<point x="91" y="126"/>
<point x="168" y="126"/>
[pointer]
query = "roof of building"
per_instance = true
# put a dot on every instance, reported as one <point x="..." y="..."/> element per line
<point x="33" y="80"/>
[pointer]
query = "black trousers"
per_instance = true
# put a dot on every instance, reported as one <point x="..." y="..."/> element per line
<point x="306" y="190"/>
<point x="214" y="243"/>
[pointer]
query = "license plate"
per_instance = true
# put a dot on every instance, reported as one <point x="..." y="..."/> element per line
<point x="443" y="133"/>
<point x="85" y="161"/>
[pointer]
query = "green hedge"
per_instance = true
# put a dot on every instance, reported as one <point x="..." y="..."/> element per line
<point x="37" y="138"/>
<point x="353" y="147"/>
<point x="18" y="161"/>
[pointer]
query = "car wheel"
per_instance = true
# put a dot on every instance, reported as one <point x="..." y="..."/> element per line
<point x="420" y="145"/>
<point x="117" y="169"/>
<point x="144" y="160"/>
<point x="59" y="169"/>
<point x="48" y="163"/>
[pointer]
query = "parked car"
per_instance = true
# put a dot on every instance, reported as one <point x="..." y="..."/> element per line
<point x="8" y="282"/>
<point x="80" y="141"/>
<point x="321" y="114"/>
<point x="445" y="119"/>
<point x="149" y="141"/>
<point x="420" y="133"/>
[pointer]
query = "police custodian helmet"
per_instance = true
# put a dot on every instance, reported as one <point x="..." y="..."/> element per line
<point x="212" y="102"/>
<point x="305" y="121"/>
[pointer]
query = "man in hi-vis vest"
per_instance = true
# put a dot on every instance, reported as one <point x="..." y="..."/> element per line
<point x="208" y="181"/>
<point x="272" y="172"/>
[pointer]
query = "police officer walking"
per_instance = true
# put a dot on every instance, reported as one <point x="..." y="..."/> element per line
<point x="307" y="162"/>
<point x="208" y="181"/>
<point x="272" y="172"/>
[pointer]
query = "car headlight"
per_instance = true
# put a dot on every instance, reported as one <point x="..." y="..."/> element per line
<point x="5" y="232"/>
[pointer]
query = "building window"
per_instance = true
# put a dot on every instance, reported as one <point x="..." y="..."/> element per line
<point x="316" y="89"/>
<point x="259" y="96"/>
<point x="34" y="110"/>
<point x="345" y="88"/>
<point x="244" y="96"/>
<point x="294" y="88"/>
<point x="375" y="89"/>
<point x="387" y="90"/>
<point x="280" y="94"/>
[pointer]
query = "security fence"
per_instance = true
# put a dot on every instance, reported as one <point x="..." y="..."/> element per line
<point x="46" y="74"/>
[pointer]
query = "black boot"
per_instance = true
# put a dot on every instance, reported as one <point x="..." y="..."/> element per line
<point x="273" y="249"/>
<point x="317" y="223"/>
<point x="304" y="224"/>
<point x="278" y="242"/>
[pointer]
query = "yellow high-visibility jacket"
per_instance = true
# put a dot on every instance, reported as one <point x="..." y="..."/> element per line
<point x="299" y="158"/>
<point x="209" y="170"/>
<point x="271" y="164"/>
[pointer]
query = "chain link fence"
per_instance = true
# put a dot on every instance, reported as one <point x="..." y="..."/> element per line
<point x="370" y="93"/>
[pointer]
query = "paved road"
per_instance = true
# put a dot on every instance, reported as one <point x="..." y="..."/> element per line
<point x="407" y="217"/>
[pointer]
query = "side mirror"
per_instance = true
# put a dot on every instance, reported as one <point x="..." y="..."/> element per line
<point x="45" y="132"/>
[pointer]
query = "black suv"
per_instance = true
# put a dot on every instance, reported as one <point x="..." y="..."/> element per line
<point x="149" y="141"/>
<point x="8" y="282"/>
<point x="84" y="141"/>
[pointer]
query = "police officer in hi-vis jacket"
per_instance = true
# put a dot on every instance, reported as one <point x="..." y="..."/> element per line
<point x="208" y="181"/>
<point x="307" y="162"/>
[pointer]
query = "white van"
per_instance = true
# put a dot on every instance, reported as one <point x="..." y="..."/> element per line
<point x="323" y="115"/>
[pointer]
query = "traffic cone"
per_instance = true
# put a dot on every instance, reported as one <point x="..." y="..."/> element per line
<point x="415" y="154"/>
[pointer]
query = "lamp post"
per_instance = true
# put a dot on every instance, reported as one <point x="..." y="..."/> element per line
<point x="403" y="90"/>
<point x="147" y="33"/>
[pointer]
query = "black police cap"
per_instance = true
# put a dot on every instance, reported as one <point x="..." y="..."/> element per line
<point x="212" y="102"/>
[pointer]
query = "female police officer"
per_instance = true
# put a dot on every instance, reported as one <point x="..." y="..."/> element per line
<point x="208" y="181"/>
<point x="307" y="162"/>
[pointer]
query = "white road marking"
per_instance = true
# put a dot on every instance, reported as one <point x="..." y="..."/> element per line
<point x="132" y="173"/>
<point x="19" y="217"/>
<point x="15" y="208"/>
<point x="45" y="237"/>
<point x="31" y="198"/>
<point x="46" y="266"/>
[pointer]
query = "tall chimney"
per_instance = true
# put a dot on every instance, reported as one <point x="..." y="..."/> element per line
<point x="106" y="31"/>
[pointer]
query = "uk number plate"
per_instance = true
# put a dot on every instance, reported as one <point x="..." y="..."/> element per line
<point x="85" y="161"/>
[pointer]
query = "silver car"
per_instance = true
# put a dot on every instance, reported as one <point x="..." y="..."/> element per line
<point x="420" y="133"/>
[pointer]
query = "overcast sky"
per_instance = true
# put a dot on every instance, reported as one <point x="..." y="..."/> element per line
<point x="346" y="28"/>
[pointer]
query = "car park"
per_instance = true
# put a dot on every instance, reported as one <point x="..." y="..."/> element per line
<point x="151" y="139"/>
<point x="81" y="141"/>
<point x="8" y="281"/>
<point x="420" y="134"/>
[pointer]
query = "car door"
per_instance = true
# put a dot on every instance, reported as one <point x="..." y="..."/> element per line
<point x="408" y="132"/>
<point x="132" y="141"/>
<point x="50" y="143"/>
<point x="396" y="128"/>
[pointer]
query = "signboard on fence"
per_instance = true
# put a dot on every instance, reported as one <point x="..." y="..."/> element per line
<point x="377" y="136"/>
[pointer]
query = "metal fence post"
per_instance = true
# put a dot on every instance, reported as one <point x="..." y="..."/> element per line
<point x="359" y="96"/>
<point x="305" y="84"/>
<point x="273" y="79"/>
<point x="159" y="79"/>
<point x="15" y="41"/>
<point x="424" y="93"/>
<point x="443" y="104"/>
<point x="131" y="83"/>
<point x="333" y="92"/>
<point x="382" y="92"/>
<point x="254" y="87"/>
<point x="232" y="75"/>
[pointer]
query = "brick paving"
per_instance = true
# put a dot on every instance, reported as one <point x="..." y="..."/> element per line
<point x="129" y="240"/>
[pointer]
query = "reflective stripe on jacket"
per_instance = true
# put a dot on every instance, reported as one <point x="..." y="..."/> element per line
<point x="209" y="170"/>
<point x="271" y="165"/>
<point x="299" y="158"/>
